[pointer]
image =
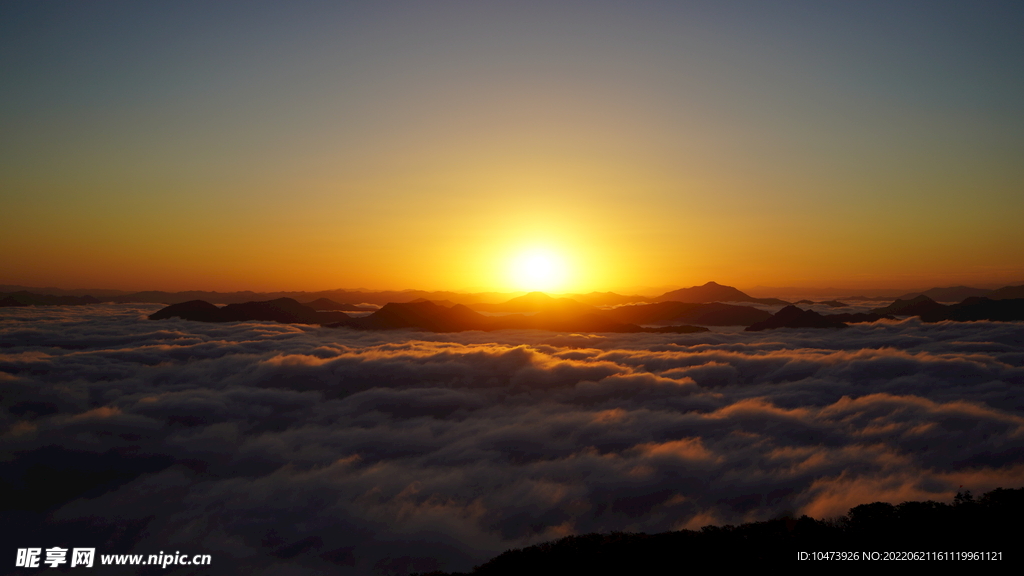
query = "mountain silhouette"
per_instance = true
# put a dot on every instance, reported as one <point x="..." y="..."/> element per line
<point x="445" y="303"/>
<point x="197" y="310"/>
<point x="24" y="298"/>
<point x="855" y="318"/>
<point x="718" y="314"/>
<point x="950" y="294"/>
<point x="607" y="298"/>
<point x="422" y="315"/>
<point x="985" y="523"/>
<point x="971" y="309"/>
<point x="427" y="315"/>
<point x="283" y="310"/>
<point x="713" y="314"/>
<point x="1007" y="293"/>
<point x="536" y="302"/>
<point x="328" y="304"/>
<point x="793" y="317"/>
<point x="650" y="313"/>
<point x="978" y="308"/>
<point x="710" y="292"/>
<point x="913" y="307"/>
<point x="713" y="292"/>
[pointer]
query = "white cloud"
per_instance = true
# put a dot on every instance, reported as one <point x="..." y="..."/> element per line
<point x="269" y="445"/>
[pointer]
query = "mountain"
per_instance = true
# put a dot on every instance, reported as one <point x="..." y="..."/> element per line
<point x="51" y="291"/>
<point x="196" y="310"/>
<point x="856" y="318"/>
<point x="536" y="302"/>
<point x="829" y="303"/>
<point x="978" y="308"/>
<point x="1007" y="292"/>
<point x="966" y="524"/>
<point x="328" y="304"/>
<point x="713" y="292"/>
<point x="793" y="317"/>
<point x="950" y="294"/>
<point x="283" y="310"/>
<point x="422" y="315"/>
<point x="445" y="303"/>
<point x="870" y="298"/>
<point x="911" y="307"/>
<point x="427" y="315"/>
<point x="23" y="298"/>
<point x="362" y="296"/>
<point x="713" y="314"/>
<point x="607" y="298"/>
<point x="718" y="314"/>
<point x="658" y="313"/>
<point x="161" y="297"/>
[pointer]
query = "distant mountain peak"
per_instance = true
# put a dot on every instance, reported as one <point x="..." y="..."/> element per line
<point x="533" y="297"/>
<point x="712" y="292"/>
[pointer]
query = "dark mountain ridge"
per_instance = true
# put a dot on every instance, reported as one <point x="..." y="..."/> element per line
<point x="23" y="298"/>
<point x="979" y="531"/>
<point x="949" y="294"/>
<point x="714" y="292"/>
<point x="284" y="310"/>
<point x="1007" y="293"/>
<point x="712" y="314"/>
<point x="536" y="302"/>
<point x="978" y="308"/>
<point x="429" y="316"/>
<point x="793" y="317"/>
<point x="422" y="315"/>
<point x="328" y="304"/>
<point x="911" y="307"/>
<point x="970" y="310"/>
<point x="359" y="296"/>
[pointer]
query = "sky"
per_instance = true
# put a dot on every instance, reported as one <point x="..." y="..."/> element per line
<point x="439" y="145"/>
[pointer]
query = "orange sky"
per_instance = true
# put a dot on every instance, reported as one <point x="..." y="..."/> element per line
<point x="431" y="147"/>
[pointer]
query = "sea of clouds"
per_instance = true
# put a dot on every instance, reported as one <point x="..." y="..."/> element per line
<point x="291" y="449"/>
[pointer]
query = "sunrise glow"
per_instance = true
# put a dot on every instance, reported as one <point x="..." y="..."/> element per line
<point x="538" y="269"/>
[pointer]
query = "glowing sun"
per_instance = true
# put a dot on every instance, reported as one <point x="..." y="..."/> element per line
<point x="538" y="269"/>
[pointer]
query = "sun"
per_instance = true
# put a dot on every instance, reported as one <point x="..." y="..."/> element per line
<point x="538" y="269"/>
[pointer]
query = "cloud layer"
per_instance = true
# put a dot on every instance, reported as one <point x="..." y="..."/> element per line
<point x="288" y="449"/>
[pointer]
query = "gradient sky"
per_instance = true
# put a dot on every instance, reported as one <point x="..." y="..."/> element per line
<point x="317" y="145"/>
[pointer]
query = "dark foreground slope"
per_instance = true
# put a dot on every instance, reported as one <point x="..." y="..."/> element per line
<point x="984" y="532"/>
